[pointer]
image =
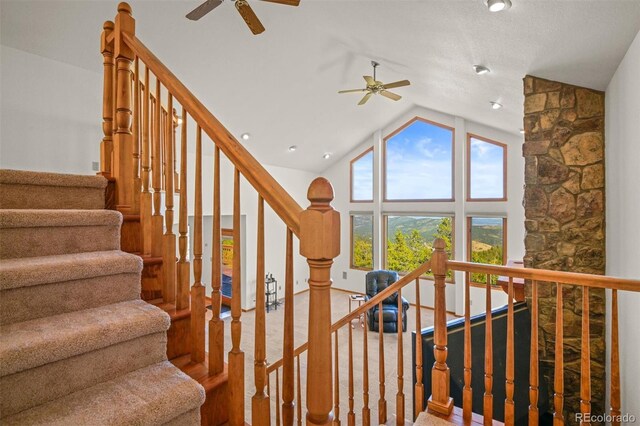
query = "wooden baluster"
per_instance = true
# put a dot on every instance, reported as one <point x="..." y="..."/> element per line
<point x="400" y="359"/>
<point x="488" y="358"/>
<point x="260" y="401"/>
<point x="288" y="341"/>
<point x="351" y="415"/>
<point x="418" y="390"/>
<point x="558" y="382"/>
<point x="176" y="176"/>
<point x="440" y="401"/>
<point x="156" y="169"/>
<point x="467" y="392"/>
<point x="236" y="355"/>
<point x="198" y="309"/>
<point x="169" y="249"/>
<point x="299" y="393"/>
<point x="320" y="244"/>
<point x="145" y="151"/>
<point x="163" y="150"/>
<point x="509" y="408"/>
<point x="216" y="326"/>
<point x="277" y="397"/>
<point x="106" y="146"/>
<point x="137" y="183"/>
<point x="123" y="139"/>
<point x="615" y="361"/>
<point x="382" y="402"/>
<point x="366" y="411"/>
<point x="336" y="382"/>
<point x="183" y="273"/>
<point x="533" y="357"/>
<point x="585" y="359"/>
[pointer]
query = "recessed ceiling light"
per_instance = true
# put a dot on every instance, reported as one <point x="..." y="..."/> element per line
<point x="522" y="131"/>
<point x="179" y="121"/>
<point x="497" y="5"/>
<point x="481" y="69"/>
<point x="292" y="148"/>
<point x="245" y="136"/>
<point x="326" y="155"/>
<point x="495" y="105"/>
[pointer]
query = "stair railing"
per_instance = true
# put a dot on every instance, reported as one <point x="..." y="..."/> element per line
<point x="141" y="100"/>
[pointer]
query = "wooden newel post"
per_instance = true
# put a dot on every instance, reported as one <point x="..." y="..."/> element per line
<point x="123" y="138"/>
<point x="320" y="244"/>
<point x="106" y="146"/>
<point x="440" y="400"/>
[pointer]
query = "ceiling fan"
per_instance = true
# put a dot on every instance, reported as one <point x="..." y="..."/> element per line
<point x="242" y="6"/>
<point x="375" y="87"/>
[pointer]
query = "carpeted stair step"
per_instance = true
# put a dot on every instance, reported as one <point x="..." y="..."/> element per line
<point x="36" y="287"/>
<point x="37" y="190"/>
<point x="31" y="233"/>
<point x="154" y="395"/>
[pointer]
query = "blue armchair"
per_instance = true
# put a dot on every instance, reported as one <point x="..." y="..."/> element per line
<point x="376" y="281"/>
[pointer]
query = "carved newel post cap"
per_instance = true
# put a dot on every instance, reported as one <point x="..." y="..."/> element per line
<point x="124" y="7"/>
<point x="108" y="25"/>
<point x="439" y="244"/>
<point x="320" y="192"/>
<point x="320" y="223"/>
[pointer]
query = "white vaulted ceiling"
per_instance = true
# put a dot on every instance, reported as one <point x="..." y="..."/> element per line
<point x="281" y="86"/>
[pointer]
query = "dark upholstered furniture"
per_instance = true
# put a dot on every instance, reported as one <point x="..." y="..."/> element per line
<point x="376" y="282"/>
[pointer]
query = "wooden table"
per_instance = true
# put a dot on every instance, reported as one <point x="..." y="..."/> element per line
<point x="518" y="283"/>
<point x="360" y="299"/>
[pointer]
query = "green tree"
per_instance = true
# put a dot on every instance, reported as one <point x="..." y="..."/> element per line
<point x="363" y="253"/>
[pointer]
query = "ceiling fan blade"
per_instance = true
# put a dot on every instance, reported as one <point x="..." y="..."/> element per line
<point x="395" y="84"/>
<point x="370" y="81"/>
<point x="249" y="17"/>
<point x="390" y="95"/>
<point x="287" y="2"/>
<point x="365" y="99"/>
<point x="203" y="9"/>
<point x="352" y="91"/>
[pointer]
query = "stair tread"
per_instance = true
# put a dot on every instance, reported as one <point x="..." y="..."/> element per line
<point x="40" y="341"/>
<point x="170" y="308"/>
<point x="37" y="218"/>
<point x="31" y="271"/>
<point x="152" y="395"/>
<point x="24" y="177"/>
<point x="199" y="371"/>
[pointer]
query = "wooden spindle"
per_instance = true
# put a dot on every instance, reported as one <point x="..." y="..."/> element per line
<point x="351" y="415"/>
<point x="440" y="400"/>
<point x="533" y="358"/>
<point x="509" y="407"/>
<point x="288" y="341"/>
<point x="216" y="326"/>
<point x="418" y="390"/>
<point x="277" y="407"/>
<point x="135" y="130"/>
<point x="106" y="146"/>
<point x="298" y="392"/>
<point x="198" y="309"/>
<point x="145" y="152"/>
<point x="382" y="402"/>
<point x="156" y="169"/>
<point x="615" y="361"/>
<point x="183" y="268"/>
<point x="467" y="391"/>
<point x="176" y="177"/>
<point x="585" y="360"/>
<point x="558" y="381"/>
<point x="236" y="355"/>
<point x="366" y="411"/>
<point x="260" y="401"/>
<point x="169" y="250"/>
<point x="488" y="358"/>
<point x="400" y="369"/>
<point x="336" y="382"/>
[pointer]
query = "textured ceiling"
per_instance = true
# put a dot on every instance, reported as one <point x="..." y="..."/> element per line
<point x="282" y="86"/>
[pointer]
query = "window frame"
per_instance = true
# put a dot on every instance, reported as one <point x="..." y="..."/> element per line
<point x="468" y="168"/>
<point x="351" y="163"/>
<point x="351" y="240"/>
<point x="504" y="245"/>
<point x="453" y="163"/>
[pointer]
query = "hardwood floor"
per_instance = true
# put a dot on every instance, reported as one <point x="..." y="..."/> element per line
<point x="340" y="307"/>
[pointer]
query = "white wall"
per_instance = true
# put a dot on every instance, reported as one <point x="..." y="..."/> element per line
<point x="50" y="114"/>
<point x="338" y="174"/>
<point x="623" y="212"/>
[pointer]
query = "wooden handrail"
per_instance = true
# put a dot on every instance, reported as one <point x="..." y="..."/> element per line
<point x="280" y="201"/>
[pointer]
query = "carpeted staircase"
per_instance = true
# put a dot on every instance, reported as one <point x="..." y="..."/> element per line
<point x="77" y="345"/>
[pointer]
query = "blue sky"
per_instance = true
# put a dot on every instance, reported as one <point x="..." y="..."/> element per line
<point x="363" y="177"/>
<point x="486" y="170"/>
<point x="419" y="163"/>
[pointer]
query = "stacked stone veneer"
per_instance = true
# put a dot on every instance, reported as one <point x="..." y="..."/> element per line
<point x="565" y="224"/>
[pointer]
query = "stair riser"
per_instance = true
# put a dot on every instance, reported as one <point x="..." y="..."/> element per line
<point x="27" y="303"/>
<point x="15" y="196"/>
<point x="36" y="386"/>
<point x="47" y="241"/>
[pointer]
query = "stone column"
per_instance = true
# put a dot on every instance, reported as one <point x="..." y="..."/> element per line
<point x="565" y="223"/>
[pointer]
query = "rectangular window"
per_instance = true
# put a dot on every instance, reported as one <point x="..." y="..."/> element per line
<point x="486" y="243"/>
<point x="362" y="241"/>
<point x="409" y="240"/>
<point x="362" y="177"/>
<point x="486" y="169"/>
